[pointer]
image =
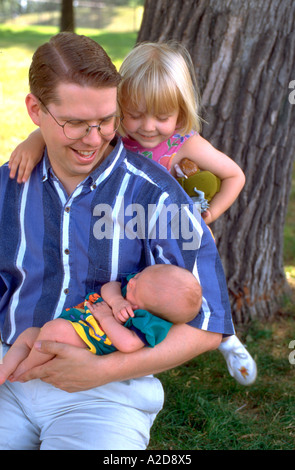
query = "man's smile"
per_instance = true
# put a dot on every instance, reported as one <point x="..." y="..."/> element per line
<point x="85" y="155"/>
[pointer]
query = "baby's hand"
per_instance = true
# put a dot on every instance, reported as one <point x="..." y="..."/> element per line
<point x="100" y="310"/>
<point x="122" y="310"/>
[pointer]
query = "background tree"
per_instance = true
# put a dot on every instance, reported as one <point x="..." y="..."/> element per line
<point x="67" y="22"/>
<point x="243" y="52"/>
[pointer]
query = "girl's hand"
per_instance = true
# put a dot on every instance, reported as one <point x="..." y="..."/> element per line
<point x="26" y="156"/>
<point x="21" y="163"/>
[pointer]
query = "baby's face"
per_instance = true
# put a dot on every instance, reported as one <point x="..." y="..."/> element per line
<point x="145" y="291"/>
<point x="135" y="291"/>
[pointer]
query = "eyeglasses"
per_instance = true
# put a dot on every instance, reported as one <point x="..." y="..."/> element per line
<point x="75" y="130"/>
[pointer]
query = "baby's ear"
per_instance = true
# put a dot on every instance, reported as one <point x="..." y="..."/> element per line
<point x="131" y="282"/>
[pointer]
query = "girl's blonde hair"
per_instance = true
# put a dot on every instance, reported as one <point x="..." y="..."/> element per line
<point x="161" y="75"/>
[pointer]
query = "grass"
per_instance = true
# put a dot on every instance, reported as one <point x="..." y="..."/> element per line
<point x="17" y="44"/>
<point x="205" y="408"/>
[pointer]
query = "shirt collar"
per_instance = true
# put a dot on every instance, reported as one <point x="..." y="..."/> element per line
<point x="94" y="178"/>
<point x="45" y="166"/>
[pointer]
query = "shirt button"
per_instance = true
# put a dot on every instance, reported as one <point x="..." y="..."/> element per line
<point x="67" y="209"/>
<point x="67" y="251"/>
<point x="66" y="291"/>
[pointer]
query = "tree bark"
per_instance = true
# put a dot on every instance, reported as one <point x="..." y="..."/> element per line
<point x="67" y="22"/>
<point x="243" y="52"/>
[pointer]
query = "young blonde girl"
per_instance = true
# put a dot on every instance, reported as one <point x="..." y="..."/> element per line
<point x="159" y="101"/>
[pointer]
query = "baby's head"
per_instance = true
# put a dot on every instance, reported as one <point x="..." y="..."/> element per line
<point x="159" y="78"/>
<point x="167" y="291"/>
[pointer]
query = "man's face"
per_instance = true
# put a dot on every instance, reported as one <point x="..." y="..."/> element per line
<point x="73" y="160"/>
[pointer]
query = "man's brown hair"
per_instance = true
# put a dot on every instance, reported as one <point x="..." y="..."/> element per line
<point x="70" y="58"/>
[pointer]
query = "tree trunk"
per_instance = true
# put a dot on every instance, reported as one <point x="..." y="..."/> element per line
<point x="243" y="52"/>
<point x="67" y="22"/>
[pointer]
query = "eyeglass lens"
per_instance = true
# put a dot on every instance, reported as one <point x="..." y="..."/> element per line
<point x="79" y="129"/>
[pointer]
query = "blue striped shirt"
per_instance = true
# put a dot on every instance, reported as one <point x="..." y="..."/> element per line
<point x="129" y="213"/>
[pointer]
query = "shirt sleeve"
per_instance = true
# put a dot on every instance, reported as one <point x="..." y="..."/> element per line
<point x="153" y="329"/>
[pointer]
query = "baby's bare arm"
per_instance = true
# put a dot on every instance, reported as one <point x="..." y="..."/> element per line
<point x="123" y="339"/>
<point x="112" y="295"/>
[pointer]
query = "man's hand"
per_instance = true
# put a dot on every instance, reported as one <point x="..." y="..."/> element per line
<point x="64" y="371"/>
<point x="74" y="369"/>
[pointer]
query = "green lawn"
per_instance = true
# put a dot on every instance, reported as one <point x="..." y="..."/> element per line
<point x="17" y="44"/>
<point x="205" y="408"/>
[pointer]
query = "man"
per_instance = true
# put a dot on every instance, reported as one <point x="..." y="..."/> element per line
<point x="90" y="213"/>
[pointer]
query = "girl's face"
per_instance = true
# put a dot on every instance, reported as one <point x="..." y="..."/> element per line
<point x="147" y="129"/>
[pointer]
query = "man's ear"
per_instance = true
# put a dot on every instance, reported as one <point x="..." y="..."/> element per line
<point x="34" y="108"/>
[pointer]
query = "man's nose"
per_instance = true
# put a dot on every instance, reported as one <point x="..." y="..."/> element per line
<point x="93" y="137"/>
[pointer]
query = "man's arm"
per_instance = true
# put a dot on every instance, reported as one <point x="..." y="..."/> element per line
<point x="75" y="369"/>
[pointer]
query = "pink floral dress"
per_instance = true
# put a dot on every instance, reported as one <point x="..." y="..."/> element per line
<point x="162" y="153"/>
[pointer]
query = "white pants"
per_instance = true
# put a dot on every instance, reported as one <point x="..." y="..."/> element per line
<point x="36" y="415"/>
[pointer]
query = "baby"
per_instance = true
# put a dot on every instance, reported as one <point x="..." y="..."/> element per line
<point x="140" y="314"/>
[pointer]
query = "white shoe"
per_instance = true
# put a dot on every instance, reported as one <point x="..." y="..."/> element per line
<point x="239" y="362"/>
